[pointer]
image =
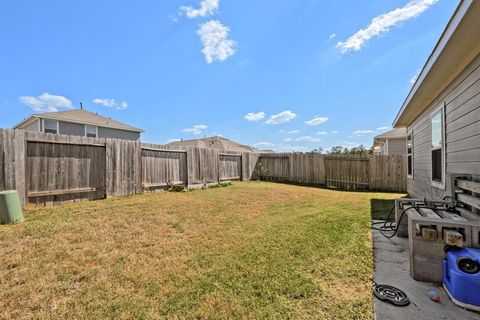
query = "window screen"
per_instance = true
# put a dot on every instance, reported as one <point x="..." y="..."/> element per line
<point x="437" y="146"/>
<point x="409" y="155"/>
<point x="90" y="131"/>
<point x="50" y="126"/>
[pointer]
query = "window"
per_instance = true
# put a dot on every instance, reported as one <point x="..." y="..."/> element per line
<point x="410" y="155"/>
<point x="91" y="131"/>
<point x="50" y="126"/>
<point x="438" y="148"/>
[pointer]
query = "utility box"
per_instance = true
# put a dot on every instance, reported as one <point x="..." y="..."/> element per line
<point x="10" y="207"/>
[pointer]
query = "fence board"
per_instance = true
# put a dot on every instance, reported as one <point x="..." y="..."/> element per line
<point x="123" y="162"/>
<point x="230" y="167"/>
<point x="274" y="167"/>
<point x="347" y="173"/>
<point x="386" y="173"/>
<point x="2" y="159"/>
<point x="163" y="167"/>
<point x="52" y="170"/>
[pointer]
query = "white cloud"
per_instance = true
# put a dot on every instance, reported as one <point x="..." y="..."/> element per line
<point x="173" y="140"/>
<point x="207" y="7"/>
<point x="383" y="128"/>
<point x="291" y="148"/>
<point x="196" y="129"/>
<point x="383" y="23"/>
<point x="332" y="36"/>
<point x="254" y="117"/>
<point x="111" y="103"/>
<point x="282" y="117"/>
<point x="288" y="139"/>
<point x="322" y="133"/>
<point x="363" y="132"/>
<point x="264" y="144"/>
<point x="216" y="45"/>
<point x="46" y="102"/>
<point x="308" y="139"/>
<point x="316" y="121"/>
<point x="350" y="144"/>
<point x="334" y="131"/>
<point x="293" y="131"/>
<point x="415" y="77"/>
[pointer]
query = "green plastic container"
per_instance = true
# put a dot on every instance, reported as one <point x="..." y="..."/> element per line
<point x="10" y="207"/>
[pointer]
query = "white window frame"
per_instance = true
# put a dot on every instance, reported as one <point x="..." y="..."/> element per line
<point x="43" y="125"/>
<point x="96" y="130"/>
<point x="438" y="184"/>
<point x="410" y="133"/>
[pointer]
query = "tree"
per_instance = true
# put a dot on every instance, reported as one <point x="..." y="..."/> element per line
<point x="358" y="150"/>
<point x="317" y="150"/>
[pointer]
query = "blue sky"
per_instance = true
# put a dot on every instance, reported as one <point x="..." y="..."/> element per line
<point x="308" y="73"/>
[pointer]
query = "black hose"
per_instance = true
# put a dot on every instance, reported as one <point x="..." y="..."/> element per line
<point x="390" y="227"/>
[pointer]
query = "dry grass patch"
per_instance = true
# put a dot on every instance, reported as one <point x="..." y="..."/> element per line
<point x="252" y="250"/>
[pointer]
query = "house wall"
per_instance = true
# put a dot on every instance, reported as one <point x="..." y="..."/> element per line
<point x="70" y="128"/>
<point x="32" y="126"/>
<point x="117" y="134"/>
<point x="397" y="146"/>
<point x="462" y="134"/>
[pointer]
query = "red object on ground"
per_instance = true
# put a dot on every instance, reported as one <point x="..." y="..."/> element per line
<point x="434" y="296"/>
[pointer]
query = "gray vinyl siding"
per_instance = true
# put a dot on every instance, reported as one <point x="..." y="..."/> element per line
<point x="74" y="129"/>
<point x="32" y="126"/>
<point x="117" y="134"/>
<point x="462" y="141"/>
<point x="397" y="146"/>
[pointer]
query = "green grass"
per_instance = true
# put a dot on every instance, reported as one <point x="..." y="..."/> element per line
<point x="382" y="209"/>
<point x="253" y="250"/>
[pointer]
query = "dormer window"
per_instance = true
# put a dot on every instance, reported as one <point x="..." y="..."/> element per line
<point x="91" y="131"/>
<point x="49" y="126"/>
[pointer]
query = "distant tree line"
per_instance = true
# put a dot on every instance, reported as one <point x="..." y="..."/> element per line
<point x="360" y="150"/>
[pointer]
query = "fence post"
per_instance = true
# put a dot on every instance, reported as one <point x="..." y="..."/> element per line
<point x="108" y="168"/>
<point x="20" y="165"/>
<point x="246" y="176"/>
<point x="218" y="168"/>
<point x="290" y="167"/>
<point x="138" y="167"/>
<point x="190" y="166"/>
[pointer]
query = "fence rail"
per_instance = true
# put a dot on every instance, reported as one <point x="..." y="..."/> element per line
<point x="47" y="168"/>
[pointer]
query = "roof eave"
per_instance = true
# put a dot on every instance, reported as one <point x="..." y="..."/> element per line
<point x="89" y="123"/>
<point x="25" y="121"/>
<point x="448" y="33"/>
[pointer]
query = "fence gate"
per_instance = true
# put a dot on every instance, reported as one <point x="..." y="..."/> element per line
<point x="349" y="173"/>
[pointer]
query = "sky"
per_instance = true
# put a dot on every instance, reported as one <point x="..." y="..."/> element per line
<point x="288" y="76"/>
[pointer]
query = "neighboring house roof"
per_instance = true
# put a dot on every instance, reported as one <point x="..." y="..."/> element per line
<point x="215" y="142"/>
<point x="81" y="116"/>
<point x="457" y="47"/>
<point x="397" y="133"/>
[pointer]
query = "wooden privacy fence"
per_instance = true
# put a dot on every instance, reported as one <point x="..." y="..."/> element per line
<point x="350" y="173"/>
<point x="46" y="168"/>
<point x="385" y="173"/>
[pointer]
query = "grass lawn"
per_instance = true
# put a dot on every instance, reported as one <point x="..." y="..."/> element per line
<point x="252" y="250"/>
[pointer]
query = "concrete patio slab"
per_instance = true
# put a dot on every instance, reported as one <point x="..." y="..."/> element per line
<point x="392" y="268"/>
